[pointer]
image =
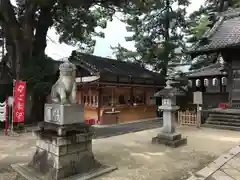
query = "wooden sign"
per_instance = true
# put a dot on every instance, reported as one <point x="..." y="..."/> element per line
<point x="197" y="97"/>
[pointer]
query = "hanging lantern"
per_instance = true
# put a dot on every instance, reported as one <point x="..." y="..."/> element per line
<point x="214" y="81"/>
<point x="198" y="83"/>
<point x="224" y="81"/>
<point x="189" y="83"/>
<point x="206" y="82"/>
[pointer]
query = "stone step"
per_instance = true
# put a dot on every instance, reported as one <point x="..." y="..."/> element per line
<point x="233" y="128"/>
<point x="223" y="119"/>
<point x="232" y="116"/>
<point x="224" y="123"/>
<point x="237" y="105"/>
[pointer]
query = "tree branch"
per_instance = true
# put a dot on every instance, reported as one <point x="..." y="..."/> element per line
<point x="8" y="16"/>
<point x="44" y="22"/>
<point x="29" y="24"/>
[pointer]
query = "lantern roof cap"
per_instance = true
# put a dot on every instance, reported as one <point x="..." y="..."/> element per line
<point x="172" y="88"/>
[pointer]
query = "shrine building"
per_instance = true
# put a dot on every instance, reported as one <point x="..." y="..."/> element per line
<point x="114" y="91"/>
<point x="224" y="39"/>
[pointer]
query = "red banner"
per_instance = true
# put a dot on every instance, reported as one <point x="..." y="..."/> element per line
<point x="19" y="101"/>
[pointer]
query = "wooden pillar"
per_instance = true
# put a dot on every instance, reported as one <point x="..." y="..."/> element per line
<point x="112" y="91"/>
<point x="230" y="82"/>
<point x="131" y="96"/>
<point x="112" y="96"/>
<point x="144" y="96"/>
<point x="99" y="102"/>
<point x="220" y="84"/>
<point x="131" y="90"/>
<point x="90" y="96"/>
<point x="79" y="96"/>
<point x="82" y="96"/>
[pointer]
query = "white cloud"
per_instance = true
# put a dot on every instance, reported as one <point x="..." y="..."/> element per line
<point x="54" y="48"/>
<point x="114" y="33"/>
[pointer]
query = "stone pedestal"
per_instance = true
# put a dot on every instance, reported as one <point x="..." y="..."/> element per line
<point x="64" y="142"/>
<point x="66" y="157"/>
<point x="169" y="139"/>
<point x="168" y="136"/>
<point x="60" y="157"/>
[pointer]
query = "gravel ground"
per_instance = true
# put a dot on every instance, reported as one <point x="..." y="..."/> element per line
<point x="134" y="155"/>
<point x="8" y="173"/>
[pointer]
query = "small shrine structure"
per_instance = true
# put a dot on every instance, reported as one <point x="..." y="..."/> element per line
<point x="212" y="82"/>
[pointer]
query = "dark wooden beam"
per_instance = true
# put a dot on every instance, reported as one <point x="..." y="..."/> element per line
<point x="131" y="96"/>
<point x="132" y="85"/>
<point x="99" y="103"/>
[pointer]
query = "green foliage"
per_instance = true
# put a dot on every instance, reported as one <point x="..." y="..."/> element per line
<point x="156" y="34"/>
<point x="76" y="21"/>
<point x="124" y="54"/>
<point x="199" y="28"/>
<point x="40" y="74"/>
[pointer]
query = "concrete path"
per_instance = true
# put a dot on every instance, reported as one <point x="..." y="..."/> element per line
<point x="225" y="167"/>
<point x="103" y="131"/>
<point x="114" y="130"/>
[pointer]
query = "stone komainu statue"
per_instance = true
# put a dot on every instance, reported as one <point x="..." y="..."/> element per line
<point x="64" y="90"/>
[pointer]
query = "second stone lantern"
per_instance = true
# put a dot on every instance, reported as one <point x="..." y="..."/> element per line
<point x="168" y="134"/>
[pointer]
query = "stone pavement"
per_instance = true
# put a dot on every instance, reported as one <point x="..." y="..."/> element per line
<point x="226" y="167"/>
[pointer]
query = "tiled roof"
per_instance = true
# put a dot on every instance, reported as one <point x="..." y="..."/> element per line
<point x="96" y="64"/>
<point x="224" y="34"/>
<point x="212" y="70"/>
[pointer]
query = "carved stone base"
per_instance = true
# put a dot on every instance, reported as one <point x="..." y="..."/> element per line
<point x="170" y="139"/>
<point x="63" y="114"/>
<point x="60" y="157"/>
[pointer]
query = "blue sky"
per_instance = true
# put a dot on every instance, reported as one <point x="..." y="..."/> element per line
<point x="114" y="33"/>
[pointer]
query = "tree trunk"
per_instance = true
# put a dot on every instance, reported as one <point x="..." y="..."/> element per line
<point x="221" y="6"/>
<point x="39" y="45"/>
<point x="37" y="109"/>
<point x="23" y="45"/>
<point x="166" y="36"/>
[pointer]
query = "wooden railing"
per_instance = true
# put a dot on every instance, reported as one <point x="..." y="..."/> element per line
<point x="187" y="117"/>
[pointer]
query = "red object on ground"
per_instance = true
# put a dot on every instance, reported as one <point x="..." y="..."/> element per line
<point x="223" y="105"/>
<point x="90" y="121"/>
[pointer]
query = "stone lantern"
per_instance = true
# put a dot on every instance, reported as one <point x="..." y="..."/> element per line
<point x="168" y="135"/>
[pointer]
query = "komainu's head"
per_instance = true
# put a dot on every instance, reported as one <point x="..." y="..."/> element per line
<point x="67" y="69"/>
